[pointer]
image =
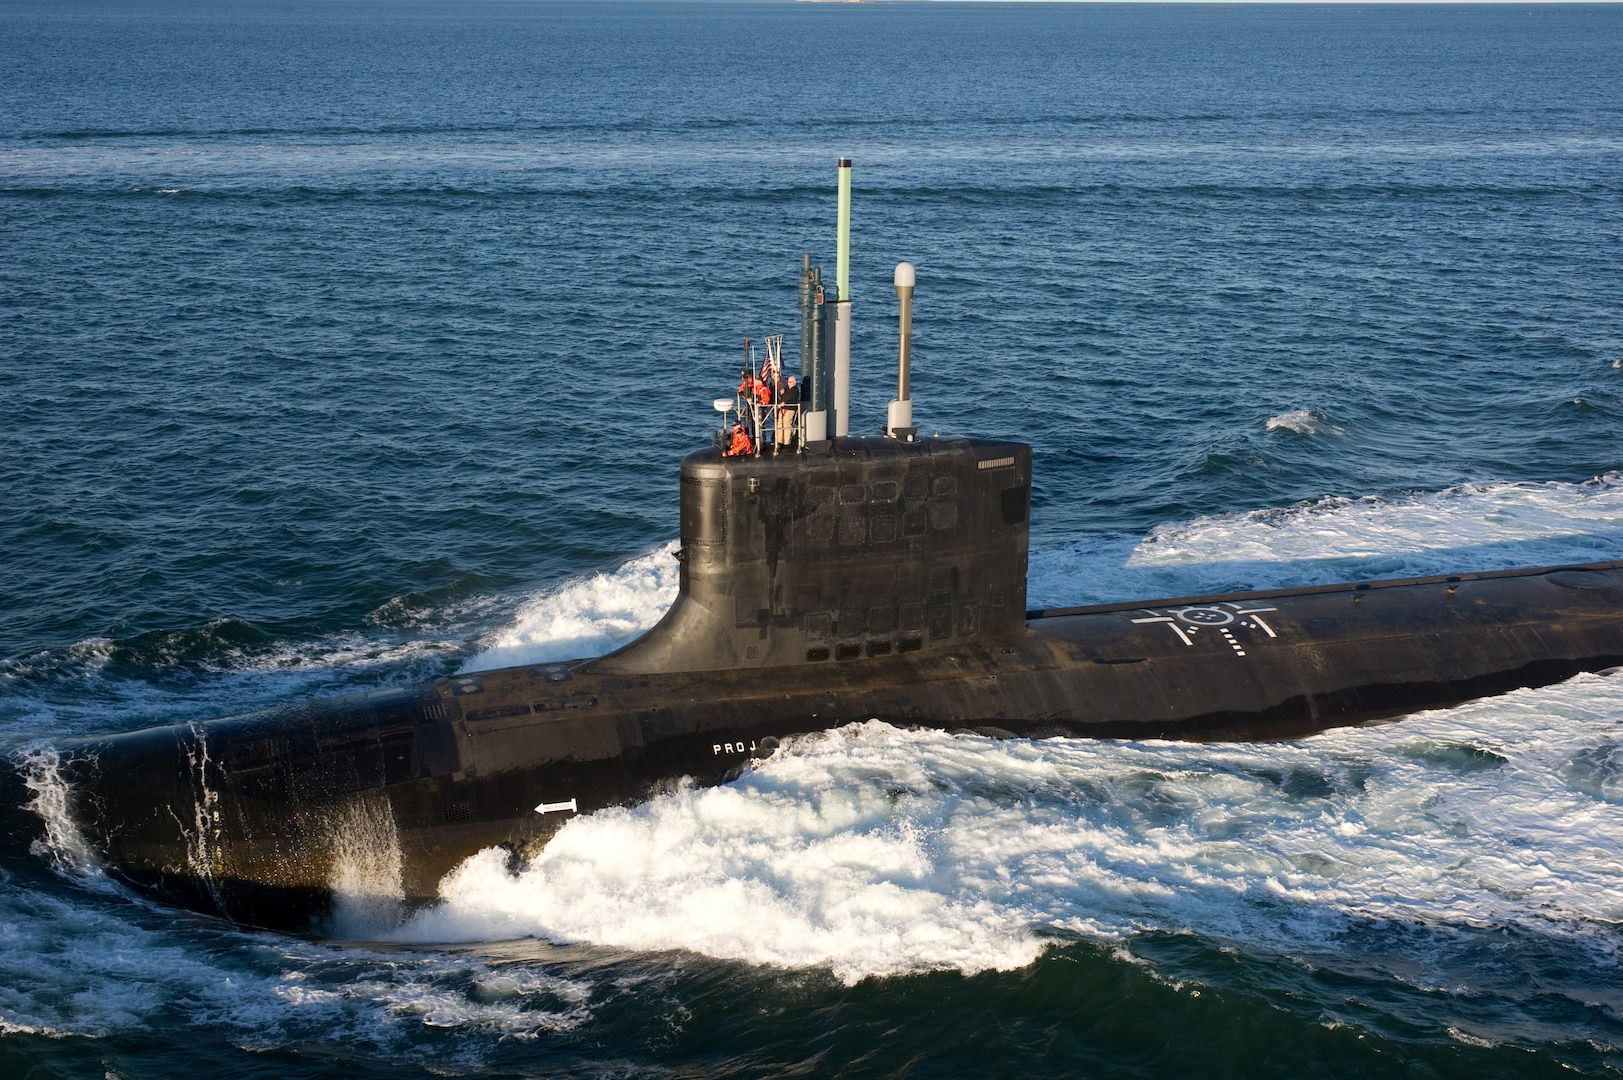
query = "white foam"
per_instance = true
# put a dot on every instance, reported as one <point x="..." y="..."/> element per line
<point x="873" y="851"/>
<point x="63" y="845"/>
<point x="368" y="895"/>
<point x="74" y="967"/>
<point x="1466" y="528"/>
<point x="9" y="1028"/>
<point x="459" y="993"/>
<point x="586" y="617"/>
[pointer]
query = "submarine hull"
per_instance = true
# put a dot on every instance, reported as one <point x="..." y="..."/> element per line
<point x="274" y="818"/>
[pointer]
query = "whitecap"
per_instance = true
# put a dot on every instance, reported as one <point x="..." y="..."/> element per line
<point x="1300" y="422"/>
<point x="1471" y="527"/>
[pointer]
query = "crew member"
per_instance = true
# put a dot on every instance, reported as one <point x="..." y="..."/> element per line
<point x="741" y="447"/>
<point x="788" y="412"/>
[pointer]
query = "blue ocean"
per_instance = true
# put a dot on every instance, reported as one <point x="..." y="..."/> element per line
<point x="347" y="344"/>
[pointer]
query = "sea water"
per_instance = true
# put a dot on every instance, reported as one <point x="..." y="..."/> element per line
<point x="349" y="344"/>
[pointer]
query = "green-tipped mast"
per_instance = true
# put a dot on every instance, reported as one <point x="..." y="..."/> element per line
<point x="840" y="313"/>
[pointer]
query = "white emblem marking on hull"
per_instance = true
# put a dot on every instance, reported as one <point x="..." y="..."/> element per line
<point x="1176" y="629"/>
<point x="1264" y="627"/>
<point x="1218" y="616"/>
<point x="1204" y="616"/>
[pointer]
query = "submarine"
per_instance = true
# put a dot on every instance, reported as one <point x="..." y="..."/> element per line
<point x="825" y="578"/>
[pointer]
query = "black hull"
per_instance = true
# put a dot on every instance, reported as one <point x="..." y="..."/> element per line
<point x="266" y="818"/>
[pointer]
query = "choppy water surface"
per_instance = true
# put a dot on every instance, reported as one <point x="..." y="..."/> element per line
<point x="344" y="345"/>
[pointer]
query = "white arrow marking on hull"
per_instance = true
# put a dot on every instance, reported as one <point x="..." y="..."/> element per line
<point x="554" y="807"/>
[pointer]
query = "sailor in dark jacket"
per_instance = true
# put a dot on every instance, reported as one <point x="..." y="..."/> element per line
<point x="788" y="413"/>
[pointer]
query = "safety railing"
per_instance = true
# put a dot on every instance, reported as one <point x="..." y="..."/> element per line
<point x="771" y="428"/>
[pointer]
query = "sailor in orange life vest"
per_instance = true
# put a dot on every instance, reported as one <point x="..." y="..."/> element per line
<point x="758" y="395"/>
<point x="758" y="389"/>
<point x="741" y="443"/>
